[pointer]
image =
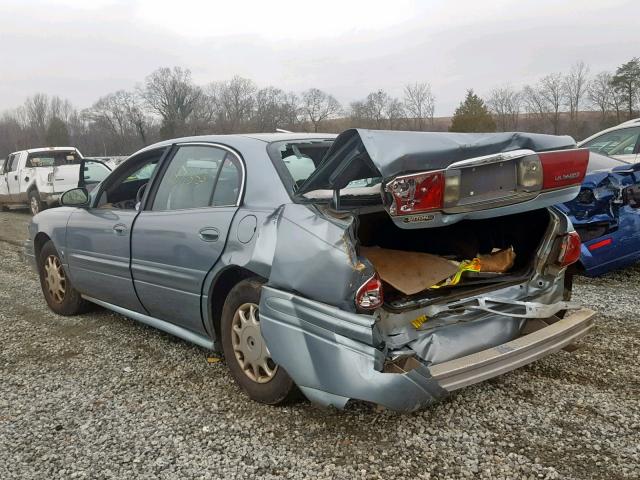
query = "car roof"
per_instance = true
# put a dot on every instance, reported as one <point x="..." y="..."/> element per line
<point x="629" y="123"/>
<point x="234" y="140"/>
<point x="47" y="149"/>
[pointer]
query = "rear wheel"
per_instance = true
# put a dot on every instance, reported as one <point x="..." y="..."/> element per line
<point x="35" y="204"/>
<point x="60" y="295"/>
<point x="245" y="351"/>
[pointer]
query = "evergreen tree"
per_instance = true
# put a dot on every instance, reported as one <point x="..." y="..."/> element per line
<point x="626" y="82"/>
<point x="472" y="116"/>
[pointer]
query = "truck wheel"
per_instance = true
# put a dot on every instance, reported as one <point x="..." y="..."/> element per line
<point x="245" y="351"/>
<point x="60" y="295"/>
<point x="35" y="204"/>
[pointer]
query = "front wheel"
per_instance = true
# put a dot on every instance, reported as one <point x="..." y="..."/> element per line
<point x="35" y="204"/>
<point x="245" y="351"/>
<point x="60" y="295"/>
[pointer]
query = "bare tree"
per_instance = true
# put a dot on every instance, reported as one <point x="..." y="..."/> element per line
<point x="236" y="99"/>
<point x="575" y="87"/>
<point x="394" y="111"/>
<point x="552" y="90"/>
<point x="419" y="103"/>
<point x="121" y="113"/>
<point x="36" y="114"/>
<point x="172" y="95"/>
<point x="600" y="93"/>
<point x="269" y="111"/>
<point x="318" y="106"/>
<point x="504" y="103"/>
<point x="376" y="104"/>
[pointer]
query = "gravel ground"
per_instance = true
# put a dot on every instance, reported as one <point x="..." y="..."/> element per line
<point x="100" y="396"/>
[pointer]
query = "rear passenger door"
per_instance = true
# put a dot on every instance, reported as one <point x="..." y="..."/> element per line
<point x="182" y="231"/>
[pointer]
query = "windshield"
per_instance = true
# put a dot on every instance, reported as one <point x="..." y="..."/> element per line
<point x="301" y="158"/>
<point x="53" y="158"/>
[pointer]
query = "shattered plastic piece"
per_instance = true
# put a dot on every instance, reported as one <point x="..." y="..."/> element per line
<point x="213" y="359"/>
<point x="498" y="262"/>
<point x="409" y="272"/>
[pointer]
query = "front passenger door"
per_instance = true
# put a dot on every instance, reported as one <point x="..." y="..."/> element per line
<point x="182" y="232"/>
<point x="99" y="237"/>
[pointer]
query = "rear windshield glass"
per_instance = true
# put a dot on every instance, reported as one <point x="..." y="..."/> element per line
<point x="53" y="158"/>
<point x="299" y="159"/>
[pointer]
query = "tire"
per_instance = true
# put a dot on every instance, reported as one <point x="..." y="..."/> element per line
<point x="35" y="204"/>
<point x="58" y="291"/>
<point x="272" y="389"/>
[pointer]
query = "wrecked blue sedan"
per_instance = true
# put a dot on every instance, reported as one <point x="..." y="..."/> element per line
<point x="387" y="267"/>
<point x="606" y="215"/>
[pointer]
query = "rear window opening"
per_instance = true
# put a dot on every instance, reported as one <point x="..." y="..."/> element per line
<point x="53" y="158"/>
<point x="301" y="158"/>
<point x="460" y="242"/>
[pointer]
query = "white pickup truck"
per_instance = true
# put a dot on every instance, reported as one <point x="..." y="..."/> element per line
<point x="37" y="177"/>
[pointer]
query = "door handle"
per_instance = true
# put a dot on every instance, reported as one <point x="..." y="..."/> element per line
<point x="120" y="229"/>
<point x="209" y="234"/>
<point x="15" y="177"/>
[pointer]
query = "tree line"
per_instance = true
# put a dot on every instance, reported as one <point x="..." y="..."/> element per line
<point x="170" y="104"/>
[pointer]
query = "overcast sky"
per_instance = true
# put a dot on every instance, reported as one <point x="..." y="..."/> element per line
<point x="82" y="49"/>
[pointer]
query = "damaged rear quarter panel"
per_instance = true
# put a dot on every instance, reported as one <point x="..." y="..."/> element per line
<point x="315" y="256"/>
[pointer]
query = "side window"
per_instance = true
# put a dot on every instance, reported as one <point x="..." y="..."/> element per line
<point x="94" y="173"/>
<point x="618" y="142"/>
<point x="198" y="176"/>
<point x="125" y="190"/>
<point x="13" y="162"/>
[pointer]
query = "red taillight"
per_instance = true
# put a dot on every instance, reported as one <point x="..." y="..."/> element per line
<point x="417" y="193"/>
<point x="370" y="295"/>
<point x="600" y="244"/>
<point x="563" y="168"/>
<point x="569" y="249"/>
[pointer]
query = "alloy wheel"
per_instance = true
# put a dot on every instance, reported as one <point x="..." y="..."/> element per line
<point x="249" y="347"/>
<point x="54" y="278"/>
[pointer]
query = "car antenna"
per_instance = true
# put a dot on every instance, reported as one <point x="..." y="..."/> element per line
<point x="281" y="130"/>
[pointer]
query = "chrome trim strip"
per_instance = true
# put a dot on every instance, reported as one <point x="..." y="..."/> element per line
<point x="167" y="327"/>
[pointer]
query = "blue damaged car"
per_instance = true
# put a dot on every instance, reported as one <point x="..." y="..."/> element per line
<point x="386" y="267"/>
<point x="606" y="215"/>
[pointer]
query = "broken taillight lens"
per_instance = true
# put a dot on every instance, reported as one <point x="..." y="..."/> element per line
<point x="416" y="193"/>
<point x="569" y="249"/>
<point x="563" y="168"/>
<point x="370" y="296"/>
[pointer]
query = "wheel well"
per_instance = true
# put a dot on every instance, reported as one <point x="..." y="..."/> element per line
<point x="38" y="243"/>
<point x="32" y="188"/>
<point x="222" y="285"/>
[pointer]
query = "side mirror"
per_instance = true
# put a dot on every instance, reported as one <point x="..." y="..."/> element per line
<point x="76" y="197"/>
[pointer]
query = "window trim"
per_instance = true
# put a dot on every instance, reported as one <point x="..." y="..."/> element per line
<point x="148" y="202"/>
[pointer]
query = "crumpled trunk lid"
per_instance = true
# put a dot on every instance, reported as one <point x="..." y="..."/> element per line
<point x="430" y="179"/>
<point x="357" y="153"/>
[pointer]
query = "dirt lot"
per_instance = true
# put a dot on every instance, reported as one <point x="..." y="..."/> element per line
<point x="100" y="396"/>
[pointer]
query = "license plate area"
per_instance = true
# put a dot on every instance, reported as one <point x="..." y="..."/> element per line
<point x="487" y="182"/>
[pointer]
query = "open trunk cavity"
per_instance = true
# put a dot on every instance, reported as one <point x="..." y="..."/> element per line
<point x="461" y="241"/>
